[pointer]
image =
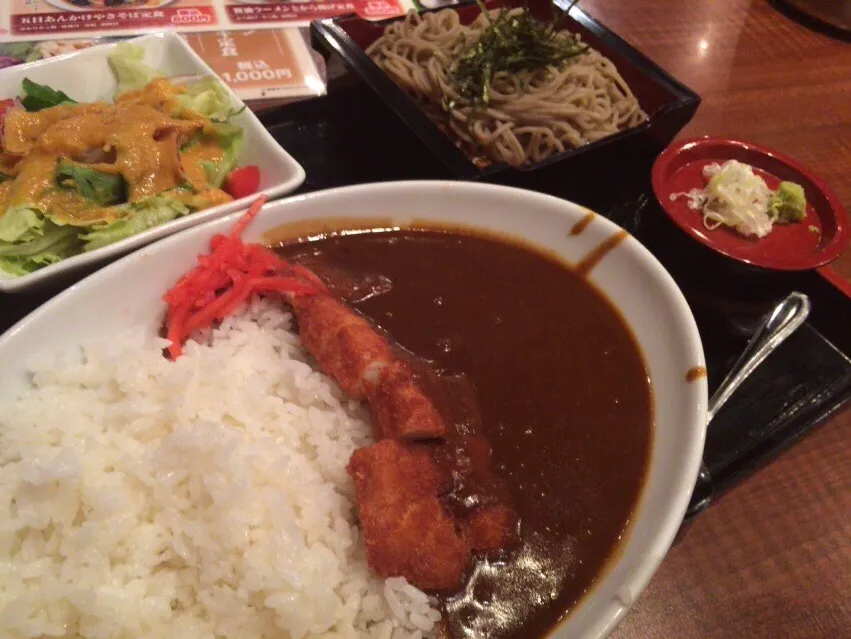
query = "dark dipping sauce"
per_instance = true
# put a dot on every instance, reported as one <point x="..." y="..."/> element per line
<point x="563" y="392"/>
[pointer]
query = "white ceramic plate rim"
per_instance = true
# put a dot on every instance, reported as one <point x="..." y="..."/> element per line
<point x="609" y="608"/>
<point x="10" y="284"/>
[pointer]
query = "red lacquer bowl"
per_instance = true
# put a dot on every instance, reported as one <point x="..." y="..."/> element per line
<point x="789" y="247"/>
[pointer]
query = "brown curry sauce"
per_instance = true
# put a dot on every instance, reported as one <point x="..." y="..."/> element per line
<point x="562" y="390"/>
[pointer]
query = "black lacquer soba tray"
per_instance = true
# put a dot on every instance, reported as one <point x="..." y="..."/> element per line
<point x="668" y="103"/>
<point x="351" y="136"/>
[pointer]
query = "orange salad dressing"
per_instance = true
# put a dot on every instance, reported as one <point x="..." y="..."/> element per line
<point x="138" y="137"/>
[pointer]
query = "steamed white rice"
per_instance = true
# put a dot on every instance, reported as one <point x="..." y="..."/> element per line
<point x="202" y="498"/>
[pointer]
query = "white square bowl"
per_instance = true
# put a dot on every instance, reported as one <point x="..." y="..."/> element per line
<point x="86" y="77"/>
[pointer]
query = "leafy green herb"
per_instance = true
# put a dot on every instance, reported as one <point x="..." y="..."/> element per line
<point x="102" y="188"/>
<point x="5" y="177"/>
<point x="40" y="96"/>
<point x="510" y="43"/>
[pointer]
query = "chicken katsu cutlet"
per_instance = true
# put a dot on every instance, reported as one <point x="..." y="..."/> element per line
<point x="414" y="524"/>
<point x="406" y="528"/>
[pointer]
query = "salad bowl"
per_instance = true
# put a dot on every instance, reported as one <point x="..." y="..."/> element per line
<point x="87" y="76"/>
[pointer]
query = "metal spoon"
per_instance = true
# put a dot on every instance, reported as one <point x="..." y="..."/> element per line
<point x="784" y="320"/>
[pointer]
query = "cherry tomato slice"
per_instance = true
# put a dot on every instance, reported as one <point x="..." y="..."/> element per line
<point x="242" y="182"/>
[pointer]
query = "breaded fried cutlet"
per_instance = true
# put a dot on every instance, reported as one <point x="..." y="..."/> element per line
<point x="344" y="344"/>
<point x="399" y="408"/>
<point x="492" y="528"/>
<point x="407" y="531"/>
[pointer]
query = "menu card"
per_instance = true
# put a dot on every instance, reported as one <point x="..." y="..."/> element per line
<point x="261" y="65"/>
<point x="272" y="64"/>
<point x="62" y="19"/>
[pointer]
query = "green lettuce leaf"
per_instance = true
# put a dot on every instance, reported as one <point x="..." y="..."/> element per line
<point x="26" y="51"/>
<point x="194" y="139"/>
<point x="139" y="217"/>
<point x="20" y="224"/>
<point x="105" y="189"/>
<point x="128" y="64"/>
<point x="211" y="170"/>
<point x="51" y="243"/>
<point x="208" y="98"/>
<point x="17" y="49"/>
<point x="40" y="96"/>
<point x="231" y="138"/>
<point x="184" y="187"/>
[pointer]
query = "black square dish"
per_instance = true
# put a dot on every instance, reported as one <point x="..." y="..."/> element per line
<point x="668" y="103"/>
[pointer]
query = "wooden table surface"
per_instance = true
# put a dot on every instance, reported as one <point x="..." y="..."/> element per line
<point x="772" y="558"/>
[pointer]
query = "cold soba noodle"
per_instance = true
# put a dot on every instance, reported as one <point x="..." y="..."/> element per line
<point x="528" y="114"/>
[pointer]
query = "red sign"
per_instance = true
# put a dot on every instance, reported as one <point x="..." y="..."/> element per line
<point x="57" y="22"/>
<point x="258" y="13"/>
